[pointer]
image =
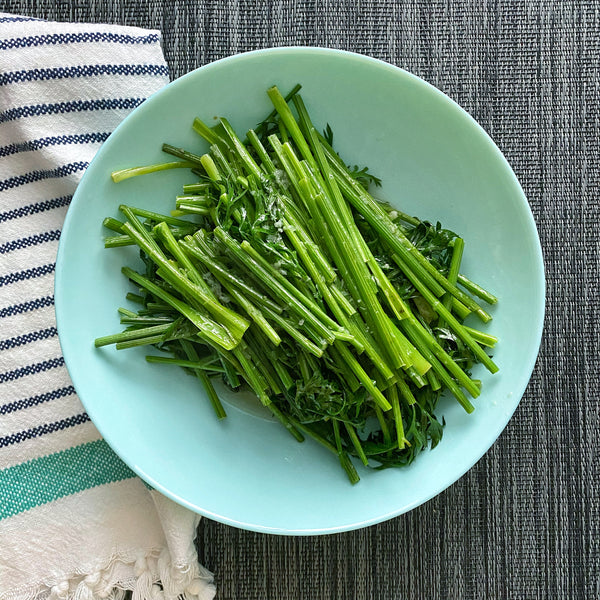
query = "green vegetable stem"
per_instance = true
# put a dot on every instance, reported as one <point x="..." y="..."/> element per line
<point x="277" y="270"/>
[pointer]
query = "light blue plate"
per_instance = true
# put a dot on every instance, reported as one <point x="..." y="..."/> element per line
<point x="435" y="162"/>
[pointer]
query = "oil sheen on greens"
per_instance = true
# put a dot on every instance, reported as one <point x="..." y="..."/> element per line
<point x="277" y="270"/>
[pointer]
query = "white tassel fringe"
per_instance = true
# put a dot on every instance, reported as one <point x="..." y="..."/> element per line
<point x="152" y="577"/>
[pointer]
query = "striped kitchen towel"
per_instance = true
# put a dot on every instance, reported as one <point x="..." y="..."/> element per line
<point x="74" y="520"/>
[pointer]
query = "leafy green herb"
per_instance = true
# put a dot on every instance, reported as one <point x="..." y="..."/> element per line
<point x="364" y="177"/>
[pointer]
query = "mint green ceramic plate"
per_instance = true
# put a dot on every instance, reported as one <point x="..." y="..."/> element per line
<point x="435" y="162"/>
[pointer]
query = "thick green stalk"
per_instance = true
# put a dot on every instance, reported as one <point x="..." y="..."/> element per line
<point x="356" y="443"/>
<point x="420" y="337"/>
<point x="292" y="223"/>
<point x="164" y="234"/>
<point x="191" y="209"/>
<point x="141" y="232"/>
<point x="144" y="321"/>
<point x="212" y="394"/>
<point x="119" y="241"/>
<point x="118" y="176"/>
<point x="273" y="113"/>
<point x="266" y="279"/>
<point x="359" y="330"/>
<point x="458" y="329"/>
<point x="272" y="355"/>
<point x="181" y="153"/>
<point x="343" y="456"/>
<point x="354" y="271"/>
<point x="145" y="341"/>
<point x="391" y="295"/>
<point x="192" y="247"/>
<point x="358" y="281"/>
<point x="283" y="134"/>
<point x="227" y="167"/>
<point x="135" y="298"/>
<point x="395" y="402"/>
<point x="293" y="332"/>
<point x="230" y="372"/>
<point x="387" y="438"/>
<point x="321" y="315"/>
<point x="253" y="312"/>
<point x="406" y="391"/>
<point x="263" y="365"/>
<point x="432" y="349"/>
<point x="197" y="188"/>
<point x="171" y="274"/>
<point x="232" y="321"/>
<point x="330" y="182"/>
<point x="282" y="372"/>
<point x="342" y="300"/>
<point x="457" y="253"/>
<point x="191" y="353"/>
<point x="158" y="217"/>
<point x="261" y="152"/>
<point x="131" y="335"/>
<point x="325" y="290"/>
<point x="292" y="126"/>
<point x="212" y="171"/>
<point x="207" y="328"/>
<point x="485" y="339"/>
<point x="243" y="154"/>
<point x="477" y="290"/>
<point x="208" y="134"/>
<point x="193" y="199"/>
<point x="461" y="311"/>
<point x="113" y="224"/>
<point x="416" y="377"/>
<point x="433" y="381"/>
<point x="250" y="373"/>
<point x="202" y="364"/>
<point x="362" y="376"/>
<point x="397" y="241"/>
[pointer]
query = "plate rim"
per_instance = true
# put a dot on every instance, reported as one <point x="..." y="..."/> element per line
<point x="531" y="226"/>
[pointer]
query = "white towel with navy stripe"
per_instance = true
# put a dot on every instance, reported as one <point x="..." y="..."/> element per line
<point x="75" y="523"/>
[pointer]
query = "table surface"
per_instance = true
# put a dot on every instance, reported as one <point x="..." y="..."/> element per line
<point x="524" y="522"/>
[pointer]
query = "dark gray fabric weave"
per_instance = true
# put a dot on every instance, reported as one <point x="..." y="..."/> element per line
<point x="524" y="523"/>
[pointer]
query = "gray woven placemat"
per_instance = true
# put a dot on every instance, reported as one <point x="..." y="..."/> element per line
<point x="524" y="523"/>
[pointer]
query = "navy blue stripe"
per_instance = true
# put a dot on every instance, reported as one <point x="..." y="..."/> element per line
<point x="44" y="429"/>
<point x="37" y="207"/>
<point x="33" y="240"/>
<point x="21" y="340"/>
<point x="18" y="309"/>
<point x="80" y="71"/>
<point x="37" y="110"/>
<point x="76" y="38"/>
<point x="60" y="140"/>
<point x="26" y="274"/>
<point x="33" y="176"/>
<point x="17" y="19"/>
<point x="40" y="367"/>
<point x="35" y="400"/>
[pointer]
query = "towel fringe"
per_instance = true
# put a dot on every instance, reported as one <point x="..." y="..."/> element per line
<point x="150" y="577"/>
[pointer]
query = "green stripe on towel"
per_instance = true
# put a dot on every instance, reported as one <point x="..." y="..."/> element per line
<point x="48" y="478"/>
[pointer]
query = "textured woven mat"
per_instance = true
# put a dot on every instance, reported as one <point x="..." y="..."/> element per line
<point x="524" y="523"/>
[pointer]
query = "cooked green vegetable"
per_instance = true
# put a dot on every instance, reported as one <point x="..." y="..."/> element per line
<point x="341" y="314"/>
